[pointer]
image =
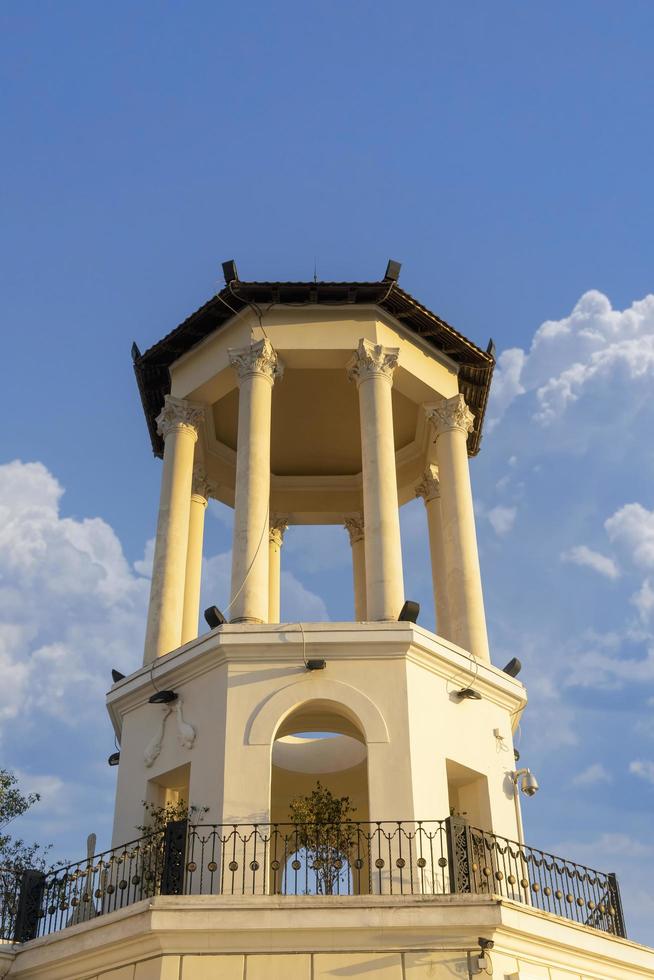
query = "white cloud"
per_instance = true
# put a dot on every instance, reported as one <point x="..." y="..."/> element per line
<point x="582" y="555"/>
<point x="643" y="600"/>
<point x="70" y="606"/>
<point x="502" y="519"/>
<point x="567" y="356"/>
<point x="599" y="670"/>
<point x="632" y="527"/>
<point x="644" y="769"/>
<point x="592" y="775"/>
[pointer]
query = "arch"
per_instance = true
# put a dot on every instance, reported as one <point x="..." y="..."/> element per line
<point x="271" y="714"/>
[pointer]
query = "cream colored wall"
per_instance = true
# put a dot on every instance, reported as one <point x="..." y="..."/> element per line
<point x="393" y="681"/>
<point x="305" y="938"/>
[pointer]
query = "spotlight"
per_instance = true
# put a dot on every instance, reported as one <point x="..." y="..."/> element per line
<point x="114" y="759"/>
<point x="116" y="676"/>
<point x="229" y="271"/>
<point x="136" y="353"/>
<point x="513" y="667"/>
<point x="392" y="271"/>
<point x="315" y="664"/>
<point x="485" y="943"/>
<point x="491" y="347"/>
<point x="409" y="612"/>
<point x="467" y="693"/>
<point x="214" y="617"/>
<point x="162" y="697"/>
<point x="516" y="755"/>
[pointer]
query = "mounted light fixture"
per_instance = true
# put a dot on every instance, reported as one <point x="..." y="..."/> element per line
<point x="163" y="697"/>
<point x="116" y="676"/>
<point x="214" y="617"/>
<point x="468" y="694"/>
<point x="513" y="667"/>
<point x="318" y="664"/>
<point x="229" y="271"/>
<point x="409" y="612"/>
<point x="114" y="759"/>
<point x="392" y="273"/>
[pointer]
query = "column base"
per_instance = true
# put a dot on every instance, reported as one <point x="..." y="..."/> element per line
<point x="246" y="619"/>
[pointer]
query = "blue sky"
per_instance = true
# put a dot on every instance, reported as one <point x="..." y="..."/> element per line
<point x="502" y="152"/>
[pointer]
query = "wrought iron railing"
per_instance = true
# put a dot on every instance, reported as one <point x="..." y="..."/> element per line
<point x="434" y="857"/>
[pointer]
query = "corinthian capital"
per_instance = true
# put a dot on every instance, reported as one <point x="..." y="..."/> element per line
<point x="354" y="527"/>
<point x="202" y="486"/>
<point x="178" y="413"/>
<point x="372" y="360"/>
<point x="259" y="358"/>
<point x="429" y="488"/>
<point x="278" y="527"/>
<point x="449" y="414"/>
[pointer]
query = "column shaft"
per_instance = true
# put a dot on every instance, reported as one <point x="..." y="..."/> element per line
<point x="429" y="490"/>
<point x="257" y="369"/>
<point x="278" y="526"/>
<point x="178" y="424"/>
<point x="193" y="582"/>
<point x="452" y="421"/>
<point x="355" y="528"/>
<point x="372" y="367"/>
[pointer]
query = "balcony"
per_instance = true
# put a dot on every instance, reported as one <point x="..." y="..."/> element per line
<point x="403" y="858"/>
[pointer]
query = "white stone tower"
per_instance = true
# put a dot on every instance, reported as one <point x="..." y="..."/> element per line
<point x="321" y="403"/>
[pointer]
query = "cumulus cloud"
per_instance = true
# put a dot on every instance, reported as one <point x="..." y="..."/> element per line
<point x="643" y="600"/>
<point x="592" y="775"/>
<point x="582" y="555"/>
<point x="632" y="528"/>
<point x="502" y="519"/>
<point x="644" y="769"/>
<point x="70" y="605"/>
<point x="593" y="344"/>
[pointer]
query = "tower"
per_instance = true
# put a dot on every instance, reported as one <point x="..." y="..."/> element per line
<point x="320" y="403"/>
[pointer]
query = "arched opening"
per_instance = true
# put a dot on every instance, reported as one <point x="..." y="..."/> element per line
<point x="319" y="745"/>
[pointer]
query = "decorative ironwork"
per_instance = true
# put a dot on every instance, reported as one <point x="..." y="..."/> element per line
<point x="29" y="903"/>
<point x="433" y="857"/>
<point x="174" y="854"/>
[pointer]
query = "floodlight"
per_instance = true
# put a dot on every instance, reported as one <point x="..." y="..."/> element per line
<point x="116" y="676"/>
<point x="409" y="612"/>
<point x="163" y="697"/>
<point x="318" y="664"/>
<point x="214" y="617"/>
<point x="467" y="693"/>
<point x="513" y="667"/>
<point x="229" y="271"/>
<point x="114" y="759"/>
<point x="392" y="271"/>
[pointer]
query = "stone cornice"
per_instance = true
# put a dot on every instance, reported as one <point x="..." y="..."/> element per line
<point x="177" y="414"/>
<point x="259" y="359"/>
<point x="372" y="360"/>
<point x="450" y="414"/>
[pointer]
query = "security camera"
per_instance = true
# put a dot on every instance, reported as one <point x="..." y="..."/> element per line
<point x="529" y="784"/>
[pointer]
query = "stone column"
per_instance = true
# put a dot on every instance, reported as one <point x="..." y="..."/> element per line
<point x="452" y="421"/>
<point x="429" y="490"/>
<point x="257" y="367"/>
<point x="278" y="527"/>
<point x="178" y="424"/>
<point x="354" y="527"/>
<point x="372" y="368"/>
<point x="199" y="496"/>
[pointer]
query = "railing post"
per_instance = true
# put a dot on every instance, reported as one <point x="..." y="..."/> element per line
<point x="174" y="858"/>
<point x="616" y="902"/>
<point x="32" y="886"/>
<point x="459" y="851"/>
